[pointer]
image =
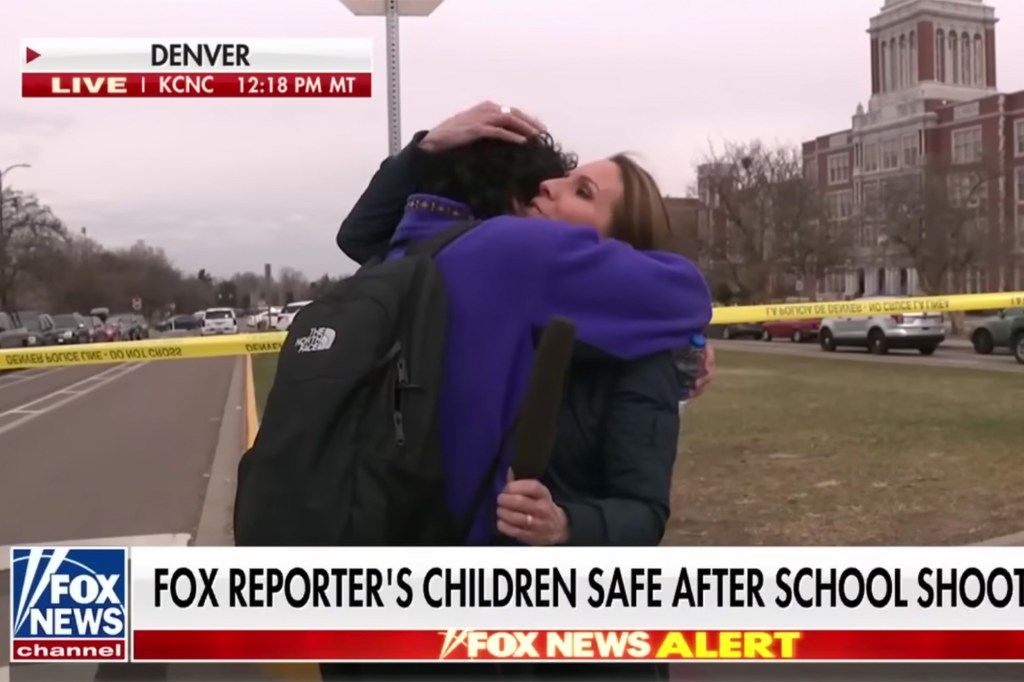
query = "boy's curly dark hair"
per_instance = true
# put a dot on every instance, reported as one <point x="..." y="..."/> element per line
<point x="491" y="176"/>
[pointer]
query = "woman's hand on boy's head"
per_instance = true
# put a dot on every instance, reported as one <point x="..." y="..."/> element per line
<point x="485" y="120"/>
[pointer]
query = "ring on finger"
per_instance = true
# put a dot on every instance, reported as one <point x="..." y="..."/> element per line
<point x="529" y="520"/>
<point x="506" y="110"/>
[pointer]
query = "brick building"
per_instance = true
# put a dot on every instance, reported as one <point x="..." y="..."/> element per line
<point x="934" y="97"/>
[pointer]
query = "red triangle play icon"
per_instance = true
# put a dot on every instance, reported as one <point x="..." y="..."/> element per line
<point x="31" y="55"/>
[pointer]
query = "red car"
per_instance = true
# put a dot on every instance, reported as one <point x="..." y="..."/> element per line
<point x="107" y="332"/>
<point x="796" y="331"/>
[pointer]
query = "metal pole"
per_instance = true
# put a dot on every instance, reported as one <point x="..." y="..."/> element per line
<point x="394" y="94"/>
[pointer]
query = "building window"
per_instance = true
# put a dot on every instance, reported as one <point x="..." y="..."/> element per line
<point x="1020" y="237"/>
<point x="967" y="145"/>
<point x="965" y="67"/>
<point x="913" y="58"/>
<point x="903" y="62"/>
<point x="1019" y="173"/>
<point x="838" y="169"/>
<point x="839" y="205"/>
<point x="870" y="157"/>
<point x="975" y="283"/>
<point x="966" y="190"/>
<point x="869" y="197"/>
<point x="940" y="56"/>
<point x="891" y="154"/>
<point x="954" y="57"/>
<point x="893" y="65"/>
<point x="910" y="149"/>
<point x="884" y="67"/>
<point x="979" y="61"/>
<point x="1018" y="134"/>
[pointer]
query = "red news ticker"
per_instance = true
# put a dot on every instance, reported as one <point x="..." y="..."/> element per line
<point x="674" y="645"/>
<point x="221" y="84"/>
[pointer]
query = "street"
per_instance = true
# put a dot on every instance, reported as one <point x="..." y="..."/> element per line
<point x="116" y="455"/>
<point x="952" y="354"/>
<point x="145" y="455"/>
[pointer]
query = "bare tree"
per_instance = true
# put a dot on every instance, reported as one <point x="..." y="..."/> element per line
<point x="937" y="216"/>
<point x="29" y="235"/>
<point x="293" y="284"/>
<point x="775" y="230"/>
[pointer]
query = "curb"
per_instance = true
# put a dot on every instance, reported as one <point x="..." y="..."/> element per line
<point x="252" y="420"/>
<point x="300" y="672"/>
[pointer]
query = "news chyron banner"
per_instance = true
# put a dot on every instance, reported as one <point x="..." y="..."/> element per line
<point x="678" y="604"/>
<point x="258" y="67"/>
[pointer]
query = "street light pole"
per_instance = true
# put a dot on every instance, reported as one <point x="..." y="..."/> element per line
<point x="391" y="10"/>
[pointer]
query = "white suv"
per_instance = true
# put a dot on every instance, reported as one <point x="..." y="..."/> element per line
<point x="287" y="314"/>
<point x="879" y="333"/>
<point x="219" y="321"/>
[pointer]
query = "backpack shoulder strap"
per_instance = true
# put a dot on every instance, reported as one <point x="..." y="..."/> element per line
<point x="432" y="246"/>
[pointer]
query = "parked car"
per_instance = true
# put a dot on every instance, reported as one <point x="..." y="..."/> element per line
<point x="95" y="326"/>
<point x="40" y="327"/>
<point x="218" y="321"/>
<point x="880" y="333"/>
<point x="796" y="331"/>
<point x="1017" y="339"/>
<point x="287" y="314"/>
<point x="107" y="332"/>
<point x="133" y="327"/>
<point x="994" y="331"/>
<point x="72" y="328"/>
<point x="179" y="323"/>
<point x="745" y="330"/>
<point x="12" y="334"/>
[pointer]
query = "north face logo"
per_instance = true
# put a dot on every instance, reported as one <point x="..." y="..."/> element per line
<point x="320" y="338"/>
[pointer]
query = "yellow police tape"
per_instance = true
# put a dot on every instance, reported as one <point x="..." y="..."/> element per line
<point x="866" y="307"/>
<point x="270" y="342"/>
<point x="142" y="351"/>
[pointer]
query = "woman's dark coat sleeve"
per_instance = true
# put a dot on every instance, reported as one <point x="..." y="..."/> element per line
<point x="368" y="229"/>
<point x="637" y="453"/>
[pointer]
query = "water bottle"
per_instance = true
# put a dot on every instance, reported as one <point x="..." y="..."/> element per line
<point x="690" y="364"/>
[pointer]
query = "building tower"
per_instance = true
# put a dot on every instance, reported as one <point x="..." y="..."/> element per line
<point x="933" y="49"/>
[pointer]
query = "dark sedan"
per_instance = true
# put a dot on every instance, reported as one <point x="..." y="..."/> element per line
<point x="72" y="328"/>
<point x="747" y="330"/>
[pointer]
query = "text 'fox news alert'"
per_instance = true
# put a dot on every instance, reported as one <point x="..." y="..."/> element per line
<point x="69" y="604"/>
<point x="170" y="68"/>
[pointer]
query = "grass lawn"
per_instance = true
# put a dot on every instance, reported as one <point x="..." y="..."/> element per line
<point x="809" y="451"/>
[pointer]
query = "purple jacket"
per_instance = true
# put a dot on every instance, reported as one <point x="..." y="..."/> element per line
<point x="508" y="277"/>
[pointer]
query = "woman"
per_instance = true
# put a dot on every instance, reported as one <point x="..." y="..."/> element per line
<point x="609" y="478"/>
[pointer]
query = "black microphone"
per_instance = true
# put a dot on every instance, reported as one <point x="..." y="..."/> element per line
<point x="537" y="426"/>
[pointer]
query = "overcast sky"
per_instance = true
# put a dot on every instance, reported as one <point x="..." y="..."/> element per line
<point x="229" y="185"/>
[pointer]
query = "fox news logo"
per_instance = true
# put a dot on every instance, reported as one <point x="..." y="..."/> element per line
<point x="69" y="604"/>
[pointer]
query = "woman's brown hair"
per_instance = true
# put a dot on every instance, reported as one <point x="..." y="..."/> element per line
<point x="640" y="218"/>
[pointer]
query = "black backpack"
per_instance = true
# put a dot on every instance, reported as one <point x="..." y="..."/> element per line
<point x="348" y="451"/>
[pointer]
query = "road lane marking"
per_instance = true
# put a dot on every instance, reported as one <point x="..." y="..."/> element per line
<point x="153" y="540"/>
<point x="29" y="411"/>
<point x="26" y="375"/>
